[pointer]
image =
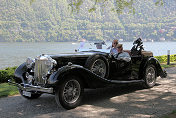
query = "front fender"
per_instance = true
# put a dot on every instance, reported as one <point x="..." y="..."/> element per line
<point x="60" y="72"/>
<point x="19" y="72"/>
<point x="90" y="79"/>
<point x="160" y="72"/>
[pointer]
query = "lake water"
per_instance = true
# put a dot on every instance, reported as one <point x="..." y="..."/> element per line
<point x="13" y="54"/>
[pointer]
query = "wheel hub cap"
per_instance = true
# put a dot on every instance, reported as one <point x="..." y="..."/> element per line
<point x="150" y="75"/>
<point x="99" y="67"/>
<point x="71" y="91"/>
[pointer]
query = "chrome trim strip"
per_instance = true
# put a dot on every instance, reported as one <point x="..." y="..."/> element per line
<point x="125" y="82"/>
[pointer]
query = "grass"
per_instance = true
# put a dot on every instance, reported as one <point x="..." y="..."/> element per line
<point x="174" y="112"/>
<point x="7" y="90"/>
<point x="171" y="115"/>
<point x="164" y="65"/>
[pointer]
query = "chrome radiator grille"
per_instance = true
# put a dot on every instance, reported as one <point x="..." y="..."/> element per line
<point x="40" y="71"/>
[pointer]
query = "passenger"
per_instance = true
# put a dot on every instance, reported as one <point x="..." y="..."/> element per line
<point x="82" y="43"/>
<point x="122" y="55"/>
<point x="114" y="49"/>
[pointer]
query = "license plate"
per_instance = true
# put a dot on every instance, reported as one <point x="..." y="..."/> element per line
<point x="28" y="94"/>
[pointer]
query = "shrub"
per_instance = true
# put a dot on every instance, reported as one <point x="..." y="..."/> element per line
<point x="173" y="58"/>
<point x="6" y="74"/>
<point x="163" y="59"/>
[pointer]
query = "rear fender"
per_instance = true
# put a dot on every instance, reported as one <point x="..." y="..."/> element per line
<point x="160" y="72"/>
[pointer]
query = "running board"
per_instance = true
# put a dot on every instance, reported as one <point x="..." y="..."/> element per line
<point x="126" y="82"/>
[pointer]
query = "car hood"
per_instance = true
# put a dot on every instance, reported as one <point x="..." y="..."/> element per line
<point x="75" y="55"/>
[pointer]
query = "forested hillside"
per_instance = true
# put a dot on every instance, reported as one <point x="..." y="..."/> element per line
<point x="51" y="20"/>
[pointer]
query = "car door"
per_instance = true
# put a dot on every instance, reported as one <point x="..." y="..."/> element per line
<point x="135" y="66"/>
<point x="120" y="69"/>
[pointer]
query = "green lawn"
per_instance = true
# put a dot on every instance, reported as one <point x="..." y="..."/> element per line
<point x="171" y="115"/>
<point x="7" y="90"/>
<point x="164" y="65"/>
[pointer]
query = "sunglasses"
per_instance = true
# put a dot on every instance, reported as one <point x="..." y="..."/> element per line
<point x="116" y="43"/>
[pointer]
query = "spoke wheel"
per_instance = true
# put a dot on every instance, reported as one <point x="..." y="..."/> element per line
<point x="69" y="92"/>
<point x="98" y="64"/>
<point x="99" y="67"/>
<point x="150" y="76"/>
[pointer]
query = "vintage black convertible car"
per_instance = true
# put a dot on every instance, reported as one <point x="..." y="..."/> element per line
<point x="67" y="75"/>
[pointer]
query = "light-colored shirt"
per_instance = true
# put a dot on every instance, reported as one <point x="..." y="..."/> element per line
<point x="124" y="56"/>
<point x="114" y="50"/>
<point x="81" y="45"/>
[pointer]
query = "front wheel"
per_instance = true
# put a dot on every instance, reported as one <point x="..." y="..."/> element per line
<point x="69" y="93"/>
<point x="150" y="76"/>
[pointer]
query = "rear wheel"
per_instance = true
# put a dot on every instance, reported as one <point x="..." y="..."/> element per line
<point x="69" y="93"/>
<point x="150" y="76"/>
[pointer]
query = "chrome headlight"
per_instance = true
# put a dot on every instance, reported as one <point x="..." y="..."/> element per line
<point x="30" y="62"/>
<point x="50" y="63"/>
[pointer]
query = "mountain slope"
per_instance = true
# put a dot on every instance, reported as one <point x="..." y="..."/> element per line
<point x="52" y="21"/>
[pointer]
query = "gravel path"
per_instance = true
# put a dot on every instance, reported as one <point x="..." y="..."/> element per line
<point x="119" y="102"/>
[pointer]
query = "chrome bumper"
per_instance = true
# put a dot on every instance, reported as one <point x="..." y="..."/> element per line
<point x="27" y="87"/>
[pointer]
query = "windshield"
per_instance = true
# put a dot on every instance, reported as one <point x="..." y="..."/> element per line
<point x="95" y="47"/>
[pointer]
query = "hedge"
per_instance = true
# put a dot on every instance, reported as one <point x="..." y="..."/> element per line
<point x="163" y="59"/>
<point x="6" y="74"/>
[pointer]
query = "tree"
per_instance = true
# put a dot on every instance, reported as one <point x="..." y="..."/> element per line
<point x="51" y="20"/>
<point x="119" y="5"/>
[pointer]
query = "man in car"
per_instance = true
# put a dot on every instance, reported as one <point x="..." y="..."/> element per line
<point x="122" y="55"/>
<point x="114" y="49"/>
